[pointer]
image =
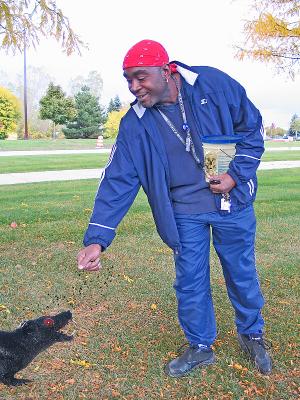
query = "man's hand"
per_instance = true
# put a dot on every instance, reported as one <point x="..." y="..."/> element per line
<point x="89" y="258"/>
<point x="221" y="183"/>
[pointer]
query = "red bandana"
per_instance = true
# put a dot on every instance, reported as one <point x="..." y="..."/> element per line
<point x="147" y="53"/>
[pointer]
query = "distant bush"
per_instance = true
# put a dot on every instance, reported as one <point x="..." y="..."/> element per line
<point x="39" y="135"/>
<point x="82" y="133"/>
<point x="35" y="131"/>
<point x="10" y="112"/>
<point x="111" y="126"/>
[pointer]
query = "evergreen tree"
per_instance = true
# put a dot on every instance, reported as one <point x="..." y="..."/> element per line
<point x="294" y="125"/>
<point x="111" y="106"/>
<point x="57" y="107"/>
<point x="118" y="104"/>
<point x="114" y="104"/>
<point x="90" y="116"/>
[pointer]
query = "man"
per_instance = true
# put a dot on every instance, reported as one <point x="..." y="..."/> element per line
<point x="159" y="147"/>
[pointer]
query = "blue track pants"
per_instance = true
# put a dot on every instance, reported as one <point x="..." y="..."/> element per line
<point x="234" y="240"/>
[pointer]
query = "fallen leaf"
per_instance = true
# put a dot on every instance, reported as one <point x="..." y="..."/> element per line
<point x="117" y="348"/>
<point x="70" y="381"/>
<point x="237" y="366"/>
<point x="129" y="280"/>
<point x="4" y="308"/>
<point x="81" y="363"/>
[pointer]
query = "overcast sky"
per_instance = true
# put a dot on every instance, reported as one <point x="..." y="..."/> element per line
<point x="195" y="32"/>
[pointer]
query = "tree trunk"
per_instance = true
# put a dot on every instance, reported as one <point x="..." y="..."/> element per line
<point x="54" y="133"/>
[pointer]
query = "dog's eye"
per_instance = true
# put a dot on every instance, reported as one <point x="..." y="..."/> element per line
<point x="48" y="322"/>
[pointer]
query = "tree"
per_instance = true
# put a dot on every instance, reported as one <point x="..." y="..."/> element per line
<point x="111" y="126"/>
<point x="57" y="107"/>
<point x="273" y="131"/>
<point x="294" y="126"/>
<point x="114" y="104"/>
<point x="274" y="36"/>
<point x="37" y="18"/>
<point x="93" y="81"/>
<point x="90" y="116"/>
<point x="10" y="112"/>
<point x="38" y="81"/>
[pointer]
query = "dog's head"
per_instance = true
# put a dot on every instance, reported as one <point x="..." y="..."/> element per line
<point x="47" y="328"/>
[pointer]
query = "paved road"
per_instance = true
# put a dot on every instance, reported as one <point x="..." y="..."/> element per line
<point x="75" y="174"/>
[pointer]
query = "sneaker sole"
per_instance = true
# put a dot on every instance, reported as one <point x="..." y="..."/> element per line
<point x="202" y="364"/>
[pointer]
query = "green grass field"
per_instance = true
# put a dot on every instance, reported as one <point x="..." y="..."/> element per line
<point x="82" y="161"/>
<point x="126" y="314"/>
<point x="79" y="144"/>
<point x="52" y="162"/>
<point x="48" y="144"/>
<point x="270" y="144"/>
<point x="281" y="155"/>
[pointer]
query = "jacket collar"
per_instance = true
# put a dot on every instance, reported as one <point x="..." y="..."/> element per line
<point x="138" y="108"/>
<point x="184" y="71"/>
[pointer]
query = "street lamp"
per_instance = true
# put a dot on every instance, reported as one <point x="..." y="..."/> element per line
<point x="25" y="92"/>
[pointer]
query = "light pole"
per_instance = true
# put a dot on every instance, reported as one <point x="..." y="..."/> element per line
<point x="25" y="92"/>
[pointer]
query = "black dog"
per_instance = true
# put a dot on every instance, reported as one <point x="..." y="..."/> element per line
<point x="20" y="347"/>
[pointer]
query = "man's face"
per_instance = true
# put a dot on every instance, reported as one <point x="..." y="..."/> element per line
<point x="147" y="84"/>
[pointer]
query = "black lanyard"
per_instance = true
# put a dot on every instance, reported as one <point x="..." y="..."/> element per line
<point x="188" y="142"/>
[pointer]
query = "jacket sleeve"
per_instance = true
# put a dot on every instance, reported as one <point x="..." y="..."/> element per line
<point x="247" y="122"/>
<point x="118" y="187"/>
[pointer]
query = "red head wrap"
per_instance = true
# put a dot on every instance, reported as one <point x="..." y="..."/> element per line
<point x="147" y="53"/>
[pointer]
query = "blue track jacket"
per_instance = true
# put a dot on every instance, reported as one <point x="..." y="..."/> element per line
<point x="138" y="157"/>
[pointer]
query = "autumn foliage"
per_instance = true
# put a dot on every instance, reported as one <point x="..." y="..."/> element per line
<point x="30" y="20"/>
<point x="112" y="124"/>
<point x="10" y="112"/>
<point x="274" y="35"/>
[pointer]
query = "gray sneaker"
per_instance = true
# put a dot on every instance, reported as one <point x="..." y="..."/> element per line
<point x="256" y="347"/>
<point x="193" y="357"/>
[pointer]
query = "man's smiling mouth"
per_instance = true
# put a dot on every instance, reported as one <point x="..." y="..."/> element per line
<point x="142" y="96"/>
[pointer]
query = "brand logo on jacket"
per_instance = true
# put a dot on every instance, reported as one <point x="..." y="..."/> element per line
<point x="203" y="101"/>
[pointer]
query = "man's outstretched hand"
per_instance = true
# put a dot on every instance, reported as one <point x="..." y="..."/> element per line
<point x="89" y="258"/>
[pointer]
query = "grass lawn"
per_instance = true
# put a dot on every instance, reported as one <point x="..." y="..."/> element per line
<point x="48" y="144"/>
<point x="281" y="155"/>
<point x="80" y="144"/>
<point x="81" y="161"/>
<point x="126" y="314"/>
<point x="269" y="144"/>
<point x="52" y="162"/>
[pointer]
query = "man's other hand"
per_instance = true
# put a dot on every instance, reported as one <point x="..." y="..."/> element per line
<point x="225" y="185"/>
